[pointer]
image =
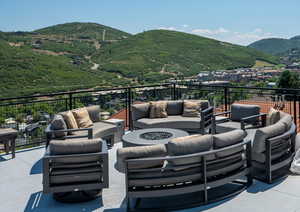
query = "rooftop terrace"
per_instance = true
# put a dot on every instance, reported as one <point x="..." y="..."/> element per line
<point x="21" y="190"/>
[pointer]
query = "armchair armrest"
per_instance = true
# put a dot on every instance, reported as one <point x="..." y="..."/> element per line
<point x="49" y="132"/>
<point x="222" y="113"/>
<point x="263" y="117"/>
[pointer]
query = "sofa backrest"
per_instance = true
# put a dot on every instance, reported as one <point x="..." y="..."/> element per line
<point x="174" y="108"/>
<point x="239" y="111"/>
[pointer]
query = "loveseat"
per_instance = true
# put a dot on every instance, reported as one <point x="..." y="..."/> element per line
<point x="187" y="165"/>
<point x="175" y="119"/>
<point x="59" y="128"/>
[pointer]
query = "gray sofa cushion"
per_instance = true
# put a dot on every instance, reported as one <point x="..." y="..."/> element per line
<point x="176" y="122"/>
<point x="140" y="152"/>
<point x="174" y="108"/>
<point x="103" y="129"/>
<point x="239" y="111"/>
<point x="261" y="157"/>
<point x="262" y="134"/>
<point x="58" y="123"/>
<point x="287" y="119"/>
<point x="75" y="146"/>
<point x="227" y="139"/>
<point x="191" y="145"/>
<point x="227" y="126"/>
<point x="94" y="113"/>
<point x="140" y="111"/>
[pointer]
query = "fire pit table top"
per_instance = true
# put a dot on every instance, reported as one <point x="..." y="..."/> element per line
<point x="151" y="136"/>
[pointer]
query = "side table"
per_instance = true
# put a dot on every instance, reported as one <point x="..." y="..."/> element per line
<point x="121" y="128"/>
<point x="8" y="138"/>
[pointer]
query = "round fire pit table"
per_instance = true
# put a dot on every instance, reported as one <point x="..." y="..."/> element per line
<point x="151" y="136"/>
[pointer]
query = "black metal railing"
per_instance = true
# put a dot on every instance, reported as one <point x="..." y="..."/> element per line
<point x="31" y="114"/>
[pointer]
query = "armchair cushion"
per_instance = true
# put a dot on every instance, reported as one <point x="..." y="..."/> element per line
<point x="58" y="123"/>
<point x="94" y="113"/>
<point x="82" y="118"/>
<point x="273" y="116"/>
<point x="126" y="153"/>
<point x="158" y="109"/>
<point x="140" y="111"/>
<point x="239" y="111"/>
<point x="259" y="143"/>
<point x="75" y="146"/>
<point x="287" y="119"/>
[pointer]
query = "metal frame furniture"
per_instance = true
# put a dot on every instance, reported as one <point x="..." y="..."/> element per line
<point x="139" y="116"/>
<point x="202" y="178"/>
<point x="75" y="177"/>
<point x="134" y="138"/>
<point x="8" y="138"/>
<point x="278" y="156"/>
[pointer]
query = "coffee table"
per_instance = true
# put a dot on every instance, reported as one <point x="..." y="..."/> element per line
<point x="151" y="136"/>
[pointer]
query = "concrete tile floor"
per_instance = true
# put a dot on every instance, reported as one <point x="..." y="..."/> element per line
<point x="21" y="190"/>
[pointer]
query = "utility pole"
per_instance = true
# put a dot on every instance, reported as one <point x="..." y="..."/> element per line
<point x="103" y="35"/>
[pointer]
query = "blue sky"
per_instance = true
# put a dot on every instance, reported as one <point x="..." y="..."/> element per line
<point x="236" y="21"/>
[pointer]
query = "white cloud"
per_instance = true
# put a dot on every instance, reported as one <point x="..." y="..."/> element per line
<point x="210" y="32"/>
<point x="224" y="34"/>
<point x="168" y="28"/>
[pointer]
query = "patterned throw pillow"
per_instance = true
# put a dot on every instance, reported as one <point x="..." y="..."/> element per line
<point x="82" y="118"/>
<point x="191" y="109"/>
<point x="273" y="116"/>
<point x="58" y="123"/>
<point x="158" y="109"/>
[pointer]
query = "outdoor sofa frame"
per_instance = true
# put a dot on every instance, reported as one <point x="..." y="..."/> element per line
<point x="202" y="185"/>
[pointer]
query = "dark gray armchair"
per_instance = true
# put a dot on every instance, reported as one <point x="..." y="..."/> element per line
<point x="239" y="117"/>
<point x="75" y="170"/>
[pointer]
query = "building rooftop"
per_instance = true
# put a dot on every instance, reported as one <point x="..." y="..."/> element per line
<point x="21" y="190"/>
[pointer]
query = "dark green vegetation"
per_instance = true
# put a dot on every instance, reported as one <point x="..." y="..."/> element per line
<point x="276" y="46"/>
<point x="289" y="79"/>
<point x="23" y="72"/>
<point x="84" y="31"/>
<point x="169" y="53"/>
<point x="74" y="55"/>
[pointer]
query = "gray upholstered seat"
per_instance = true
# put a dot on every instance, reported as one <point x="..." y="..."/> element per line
<point x="228" y="126"/>
<point x="176" y="122"/>
<point x="103" y="129"/>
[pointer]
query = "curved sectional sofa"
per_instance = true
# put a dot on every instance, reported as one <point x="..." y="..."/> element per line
<point x="192" y="165"/>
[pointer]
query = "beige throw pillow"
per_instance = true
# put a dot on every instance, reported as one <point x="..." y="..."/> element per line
<point x="70" y="120"/>
<point x="158" y="109"/>
<point x="82" y="118"/>
<point x="191" y="109"/>
<point x="273" y="116"/>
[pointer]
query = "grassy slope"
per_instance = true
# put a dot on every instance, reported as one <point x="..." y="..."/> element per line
<point x="77" y="29"/>
<point x="276" y="46"/>
<point x="145" y="53"/>
<point x="24" y="72"/>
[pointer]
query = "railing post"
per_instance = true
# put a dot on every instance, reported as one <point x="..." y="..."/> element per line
<point x="174" y="97"/>
<point x="295" y="109"/>
<point x="70" y="101"/>
<point x="129" y="108"/>
<point x="226" y="98"/>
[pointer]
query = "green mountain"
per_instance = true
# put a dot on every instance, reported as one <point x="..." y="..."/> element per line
<point x="160" y="54"/>
<point x="73" y="56"/>
<point x="84" y="31"/>
<point x="276" y="46"/>
<point x="23" y="72"/>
